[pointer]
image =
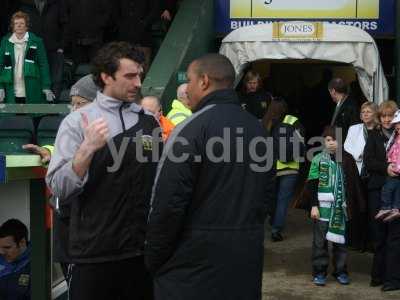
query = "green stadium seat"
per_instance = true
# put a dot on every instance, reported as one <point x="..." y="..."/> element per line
<point x="15" y="131"/>
<point x="47" y="129"/>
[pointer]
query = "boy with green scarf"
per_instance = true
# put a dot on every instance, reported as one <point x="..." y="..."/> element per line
<point x="329" y="211"/>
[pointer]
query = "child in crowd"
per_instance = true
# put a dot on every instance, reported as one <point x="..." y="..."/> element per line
<point x="329" y="211"/>
<point x="390" y="197"/>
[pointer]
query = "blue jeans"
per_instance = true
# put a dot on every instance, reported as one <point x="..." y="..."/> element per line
<point x="390" y="197"/>
<point x="285" y="187"/>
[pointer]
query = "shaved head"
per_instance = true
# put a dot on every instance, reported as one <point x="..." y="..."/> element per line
<point x="181" y="92"/>
<point x="151" y="103"/>
<point x="217" y="67"/>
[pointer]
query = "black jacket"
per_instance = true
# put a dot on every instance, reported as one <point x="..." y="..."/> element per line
<point x="8" y="7"/>
<point x="88" y="19"/>
<point x="134" y="20"/>
<point x="375" y="159"/>
<point x="51" y="25"/>
<point x="206" y="226"/>
<point x="349" y="114"/>
<point x="256" y="103"/>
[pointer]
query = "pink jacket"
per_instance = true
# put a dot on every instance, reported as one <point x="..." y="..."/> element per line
<point x="393" y="154"/>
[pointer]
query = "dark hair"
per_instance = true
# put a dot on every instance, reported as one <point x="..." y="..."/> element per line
<point x="338" y="85"/>
<point x="275" y="113"/>
<point x="107" y="59"/>
<point x="217" y="67"/>
<point x="14" y="228"/>
<point x="329" y="131"/>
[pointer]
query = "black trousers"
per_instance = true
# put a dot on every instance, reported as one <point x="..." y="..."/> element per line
<point x="386" y="262"/>
<point x="119" y="280"/>
<point x="320" y="252"/>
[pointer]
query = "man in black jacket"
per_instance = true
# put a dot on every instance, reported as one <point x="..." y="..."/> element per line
<point x="346" y="113"/>
<point x="88" y="22"/>
<point x="140" y="16"/>
<point x="206" y="223"/>
<point x="48" y="19"/>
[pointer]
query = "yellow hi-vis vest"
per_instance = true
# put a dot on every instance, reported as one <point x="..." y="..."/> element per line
<point x="289" y="119"/>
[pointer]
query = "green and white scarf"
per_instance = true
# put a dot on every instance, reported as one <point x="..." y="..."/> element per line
<point x="332" y="198"/>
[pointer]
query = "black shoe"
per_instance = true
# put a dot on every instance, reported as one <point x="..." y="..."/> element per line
<point x="375" y="282"/>
<point x="388" y="287"/>
<point x="276" y="237"/>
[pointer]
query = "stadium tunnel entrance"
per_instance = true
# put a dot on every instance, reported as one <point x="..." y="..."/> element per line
<point x="304" y="85"/>
<point x="298" y="66"/>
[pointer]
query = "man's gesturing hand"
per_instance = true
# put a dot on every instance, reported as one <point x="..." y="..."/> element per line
<point x="95" y="133"/>
<point x="95" y="137"/>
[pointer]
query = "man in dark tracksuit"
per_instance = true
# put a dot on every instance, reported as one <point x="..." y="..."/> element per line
<point x="103" y="168"/>
<point x="209" y="202"/>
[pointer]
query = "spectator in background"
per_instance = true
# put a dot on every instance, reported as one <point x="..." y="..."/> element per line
<point x="48" y="19"/>
<point x="168" y="10"/>
<point x="180" y="107"/>
<point x="289" y="147"/>
<point x="82" y="93"/>
<point x="139" y="15"/>
<point x="358" y="134"/>
<point x="253" y="98"/>
<point x="346" y="112"/>
<point x="153" y="105"/>
<point x="24" y="71"/>
<point x="88" y="21"/>
<point x="385" y="236"/>
<point x="15" y="261"/>
<point x="354" y="145"/>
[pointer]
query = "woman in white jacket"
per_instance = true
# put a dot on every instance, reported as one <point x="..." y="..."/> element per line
<point x="357" y="134"/>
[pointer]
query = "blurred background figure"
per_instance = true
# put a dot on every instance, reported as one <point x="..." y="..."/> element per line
<point x="347" y="112"/>
<point x="289" y="146"/>
<point x="253" y="97"/>
<point x="358" y="134"/>
<point x="48" y="19"/>
<point x="180" y="109"/>
<point x="153" y="105"/>
<point x="139" y="15"/>
<point x="24" y="70"/>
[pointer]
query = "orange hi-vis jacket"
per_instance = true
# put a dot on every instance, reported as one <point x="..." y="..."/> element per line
<point x="166" y="126"/>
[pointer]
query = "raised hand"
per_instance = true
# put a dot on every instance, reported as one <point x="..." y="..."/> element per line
<point x="95" y="133"/>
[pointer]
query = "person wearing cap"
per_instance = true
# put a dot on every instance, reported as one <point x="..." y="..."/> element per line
<point x="82" y="93"/>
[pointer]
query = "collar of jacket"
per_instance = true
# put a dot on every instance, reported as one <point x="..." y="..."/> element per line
<point x="31" y="37"/>
<point x="18" y="264"/>
<point x="112" y="104"/>
<point x="224" y="96"/>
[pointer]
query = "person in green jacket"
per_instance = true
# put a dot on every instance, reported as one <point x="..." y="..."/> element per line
<point x="180" y="110"/>
<point x="24" y="70"/>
